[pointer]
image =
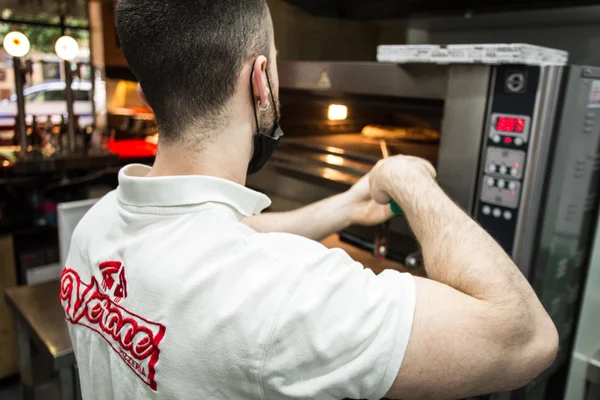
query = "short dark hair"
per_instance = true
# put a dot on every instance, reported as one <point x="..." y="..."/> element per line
<point x="188" y="55"/>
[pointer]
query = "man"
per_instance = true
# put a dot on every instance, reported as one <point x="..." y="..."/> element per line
<point x="175" y="289"/>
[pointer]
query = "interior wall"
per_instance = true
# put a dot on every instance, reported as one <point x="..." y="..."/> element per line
<point x="96" y="33"/>
<point x="391" y="32"/>
<point x="574" y="30"/>
<point x="302" y="36"/>
<point x="113" y="55"/>
<point x="582" y="42"/>
<point x="298" y="35"/>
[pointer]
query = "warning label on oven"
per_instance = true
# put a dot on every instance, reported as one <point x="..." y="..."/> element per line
<point x="594" y="101"/>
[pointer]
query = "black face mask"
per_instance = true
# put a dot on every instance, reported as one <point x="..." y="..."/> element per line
<point x="264" y="143"/>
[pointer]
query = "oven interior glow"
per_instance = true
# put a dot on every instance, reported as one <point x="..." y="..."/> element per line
<point x="337" y="112"/>
<point x="335" y="160"/>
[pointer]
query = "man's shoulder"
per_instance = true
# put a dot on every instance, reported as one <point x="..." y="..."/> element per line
<point x="100" y="211"/>
<point x="296" y="250"/>
<point x="285" y="243"/>
<point x="106" y="205"/>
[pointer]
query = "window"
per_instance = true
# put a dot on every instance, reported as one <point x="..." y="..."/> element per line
<point x="81" y="95"/>
<point x="34" y="97"/>
<point x="51" y="71"/>
<point x="54" y="95"/>
<point x="57" y="95"/>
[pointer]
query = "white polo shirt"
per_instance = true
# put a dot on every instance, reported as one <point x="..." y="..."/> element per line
<point x="169" y="295"/>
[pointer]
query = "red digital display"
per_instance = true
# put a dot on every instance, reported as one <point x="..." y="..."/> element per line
<point x="510" y="124"/>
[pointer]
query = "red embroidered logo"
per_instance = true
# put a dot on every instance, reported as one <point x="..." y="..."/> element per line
<point x="110" y="270"/>
<point x="135" y="339"/>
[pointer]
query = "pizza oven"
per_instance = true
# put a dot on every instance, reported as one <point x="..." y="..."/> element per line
<point x="516" y="145"/>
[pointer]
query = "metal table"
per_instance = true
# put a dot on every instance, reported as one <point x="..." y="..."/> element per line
<point x="40" y="324"/>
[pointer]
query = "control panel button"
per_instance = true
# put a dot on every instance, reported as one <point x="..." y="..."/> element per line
<point x="516" y="82"/>
<point x="491" y="181"/>
<point x="496" y="139"/>
<point x="501" y="183"/>
<point x="500" y="196"/>
<point x="514" y="172"/>
<point x="512" y="185"/>
<point x="518" y="142"/>
<point x="486" y="210"/>
<point x="503" y="160"/>
<point x="507" y="215"/>
<point x="497" y="213"/>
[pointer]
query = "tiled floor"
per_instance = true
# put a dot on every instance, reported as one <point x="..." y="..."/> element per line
<point x="10" y="390"/>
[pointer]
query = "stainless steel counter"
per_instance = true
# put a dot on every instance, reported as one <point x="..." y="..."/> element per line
<point x="39" y="308"/>
<point x="40" y="323"/>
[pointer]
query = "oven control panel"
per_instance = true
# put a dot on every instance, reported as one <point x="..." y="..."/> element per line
<point x="505" y="152"/>
<point x="510" y="129"/>
<point x="502" y="179"/>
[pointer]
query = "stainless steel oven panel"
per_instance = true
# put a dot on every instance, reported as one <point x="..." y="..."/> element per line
<point x="542" y="129"/>
<point x="567" y="222"/>
<point x="465" y="112"/>
<point x="421" y="81"/>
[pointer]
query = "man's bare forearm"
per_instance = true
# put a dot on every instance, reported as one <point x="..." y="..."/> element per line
<point x="315" y="221"/>
<point x="457" y="251"/>
<point x="477" y="315"/>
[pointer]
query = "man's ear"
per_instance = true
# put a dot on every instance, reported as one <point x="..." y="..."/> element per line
<point x="261" y="90"/>
<point x="142" y="96"/>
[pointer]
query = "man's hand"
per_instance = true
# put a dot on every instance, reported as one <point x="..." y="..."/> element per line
<point x="399" y="174"/>
<point x="363" y="209"/>
<point x="369" y="199"/>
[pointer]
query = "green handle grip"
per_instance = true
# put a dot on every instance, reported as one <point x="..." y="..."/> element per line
<point x="396" y="209"/>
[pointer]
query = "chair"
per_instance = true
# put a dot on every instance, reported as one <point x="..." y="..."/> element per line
<point x="69" y="214"/>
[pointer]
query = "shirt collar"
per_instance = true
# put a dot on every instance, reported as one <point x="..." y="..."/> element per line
<point x="138" y="190"/>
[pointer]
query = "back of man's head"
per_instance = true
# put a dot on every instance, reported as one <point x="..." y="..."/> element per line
<point x="188" y="55"/>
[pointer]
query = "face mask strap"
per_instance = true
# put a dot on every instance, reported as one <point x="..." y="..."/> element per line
<point x="252" y="97"/>
<point x="272" y="95"/>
